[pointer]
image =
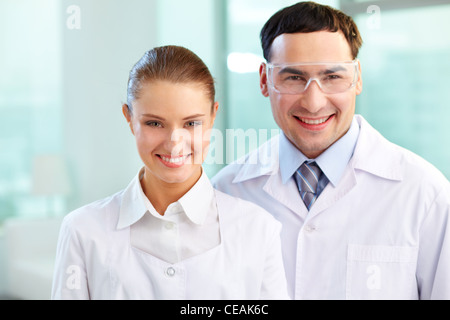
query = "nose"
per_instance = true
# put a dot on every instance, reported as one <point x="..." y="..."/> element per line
<point x="313" y="99"/>
<point x="310" y="81"/>
<point x="177" y="141"/>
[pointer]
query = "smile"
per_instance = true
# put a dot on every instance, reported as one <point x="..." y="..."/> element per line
<point x="173" y="162"/>
<point x="314" y="122"/>
<point x="179" y="159"/>
<point x="317" y="124"/>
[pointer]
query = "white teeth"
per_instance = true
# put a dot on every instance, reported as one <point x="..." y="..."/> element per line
<point x="173" y="160"/>
<point x="314" y="122"/>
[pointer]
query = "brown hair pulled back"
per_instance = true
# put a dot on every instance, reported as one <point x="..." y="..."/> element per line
<point x="169" y="63"/>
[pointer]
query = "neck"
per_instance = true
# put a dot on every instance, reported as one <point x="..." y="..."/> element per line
<point x="161" y="193"/>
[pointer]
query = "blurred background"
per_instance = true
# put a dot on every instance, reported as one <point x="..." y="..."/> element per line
<point x="63" y="75"/>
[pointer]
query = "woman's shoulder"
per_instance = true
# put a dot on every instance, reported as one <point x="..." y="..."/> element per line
<point x="97" y="215"/>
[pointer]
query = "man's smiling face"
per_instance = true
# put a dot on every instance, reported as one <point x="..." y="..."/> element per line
<point x="312" y="120"/>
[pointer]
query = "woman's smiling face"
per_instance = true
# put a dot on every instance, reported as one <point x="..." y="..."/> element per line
<point x="171" y="123"/>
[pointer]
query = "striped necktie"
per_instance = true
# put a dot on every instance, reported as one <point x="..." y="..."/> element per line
<point x="307" y="177"/>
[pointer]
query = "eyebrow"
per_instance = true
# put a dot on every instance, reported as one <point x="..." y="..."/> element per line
<point x="302" y="73"/>
<point x="291" y="70"/>
<point x="149" y="115"/>
<point x="194" y="116"/>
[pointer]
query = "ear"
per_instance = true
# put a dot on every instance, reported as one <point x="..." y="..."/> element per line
<point x="127" y="114"/>
<point x="359" y="83"/>
<point x="214" y="113"/>
<point x="263" y="80"/>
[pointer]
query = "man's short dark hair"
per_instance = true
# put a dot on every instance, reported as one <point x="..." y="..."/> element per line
<point x="309" y="17"/>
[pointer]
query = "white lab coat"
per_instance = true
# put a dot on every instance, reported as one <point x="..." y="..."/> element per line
<point x="95" y="259"/>
<point x="382" y="233"/>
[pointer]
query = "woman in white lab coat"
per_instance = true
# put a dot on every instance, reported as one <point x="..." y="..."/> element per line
<point x="169" y="234"/>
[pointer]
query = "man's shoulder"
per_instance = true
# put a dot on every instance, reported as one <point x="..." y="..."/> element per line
<point x="379" y="155"/>
<point x="416" y="165"/>
<point x="259" y="162"/>
<point x="242" y="210"/>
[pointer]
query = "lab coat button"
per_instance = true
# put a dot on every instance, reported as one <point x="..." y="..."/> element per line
<point x="169" y="225"/>
<point x="170" y="272"/>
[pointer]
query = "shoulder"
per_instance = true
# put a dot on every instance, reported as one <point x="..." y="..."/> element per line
<point x="226" y="175"/>
<point x="259" y="162"/>
<point x="94" y="217"/>
<point x="418" y="169"/>
<point x="381" y="157"/>
<point x="238" y="209"/>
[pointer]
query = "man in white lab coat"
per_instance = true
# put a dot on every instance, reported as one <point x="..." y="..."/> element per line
<point x="362" y="218"/>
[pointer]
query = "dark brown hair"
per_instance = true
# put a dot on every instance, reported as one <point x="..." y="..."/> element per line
<point x="309" y="17"/>
<point x="169" y="63"/>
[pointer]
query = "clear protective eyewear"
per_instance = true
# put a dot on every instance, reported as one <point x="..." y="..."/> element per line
<point x="332" y="77"/>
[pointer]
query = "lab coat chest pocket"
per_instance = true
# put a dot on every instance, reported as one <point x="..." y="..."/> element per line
<point x="381" y="272"/>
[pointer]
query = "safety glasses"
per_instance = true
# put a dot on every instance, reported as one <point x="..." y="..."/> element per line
<point x="332" y="77"/>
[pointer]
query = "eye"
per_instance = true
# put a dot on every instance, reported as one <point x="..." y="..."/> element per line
<point x="295" y="78"/>
<point x="333" y="77"/>
<point x="155" y="124"/>
<point x="194" y="123"/>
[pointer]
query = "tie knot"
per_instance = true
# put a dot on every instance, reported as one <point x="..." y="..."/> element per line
<point x="308" y="176"/>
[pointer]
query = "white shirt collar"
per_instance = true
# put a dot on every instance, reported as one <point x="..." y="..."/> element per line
<point x="195" y="203"/>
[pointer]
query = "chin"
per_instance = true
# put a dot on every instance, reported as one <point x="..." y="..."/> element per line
<point x="180" y="175"/>
<point x="313" y="150"/>
<point x="175" y="177"/>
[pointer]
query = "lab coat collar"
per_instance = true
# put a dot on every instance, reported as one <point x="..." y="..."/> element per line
<point x="197" y="201"/>
<point x="373" y="154"/>
<point x="260" y="162"/>
<point x="376" y="155"/>
<point x="135" y="204"/>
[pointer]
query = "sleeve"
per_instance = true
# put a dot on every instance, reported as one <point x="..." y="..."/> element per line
<point x="433" y="269"/>
<point x="274" y="285"/>
<point x="70" y="276"/>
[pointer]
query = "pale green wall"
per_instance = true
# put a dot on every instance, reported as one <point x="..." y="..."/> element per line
<point x="406" y="96"/>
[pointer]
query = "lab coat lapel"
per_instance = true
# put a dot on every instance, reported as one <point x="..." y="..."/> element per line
<point x="267" y="164"/>
<point x="330" y="195"/>
<point x="288" y="195"/>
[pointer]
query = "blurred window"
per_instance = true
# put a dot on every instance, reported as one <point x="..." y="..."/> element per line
<point x="30" y="98"/>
